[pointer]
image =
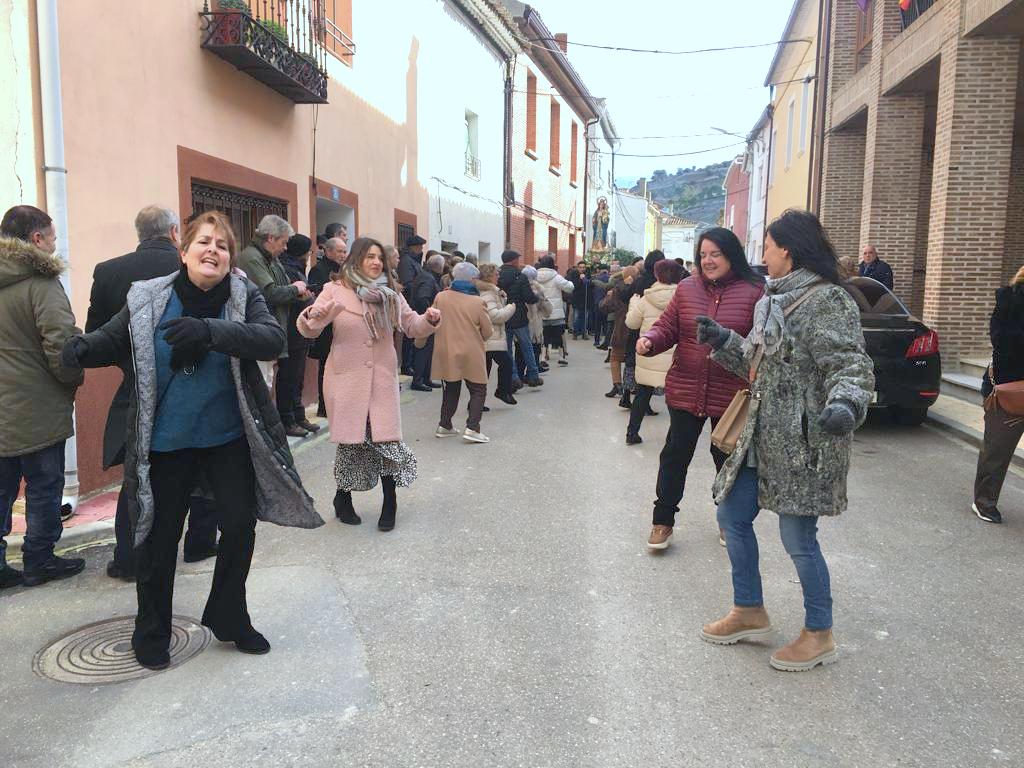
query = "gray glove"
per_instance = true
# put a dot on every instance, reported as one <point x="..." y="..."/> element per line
<point x="838" y="418"/>
<point x="710" y="332"/>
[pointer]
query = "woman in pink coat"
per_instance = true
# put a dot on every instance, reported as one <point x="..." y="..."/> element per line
<point x="361" y="379"/>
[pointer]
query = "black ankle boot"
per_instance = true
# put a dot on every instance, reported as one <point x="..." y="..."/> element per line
<point x="615" y="391"/>
<point x="390" y="506"/>
<point x="343" y="509"/>
<point x="626" y="400"/>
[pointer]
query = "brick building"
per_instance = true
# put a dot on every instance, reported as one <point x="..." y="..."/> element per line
<point x="924" y="153"/>
<point x="737" y="198"/>
<point x="551" y="110"/>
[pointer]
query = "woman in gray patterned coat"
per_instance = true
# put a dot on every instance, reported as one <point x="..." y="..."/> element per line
<point x="811" y="391"/>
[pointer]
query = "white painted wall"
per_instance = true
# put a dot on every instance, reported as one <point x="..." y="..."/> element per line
<point x="17" y="138"/>
<point x="677" y="241"/>
<point x="600" y="184"/>
<point x="757" y="165"/>
<point x="631" y="222"/>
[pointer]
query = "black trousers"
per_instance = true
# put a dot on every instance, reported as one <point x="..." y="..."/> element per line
<point x="1002" y="433"/>
<point x="408" y="350"/>
<point x="201" y="535"/>
<point x="680" y="443"/>
<point x="641" y="402"/>
<point x="422" y="360"/>
<point x="228" y="470"/>
<point x="504" y="370"/>
<point x="321" y="409"/>
<point x="288" y="385"/>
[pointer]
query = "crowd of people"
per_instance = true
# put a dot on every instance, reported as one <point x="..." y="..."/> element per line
<point x="212" y="340"/>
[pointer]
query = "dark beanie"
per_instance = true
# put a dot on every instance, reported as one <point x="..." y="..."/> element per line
<point x="509" y="256"/>
<point x="298" y="245"/>
<point x="414" y="240"/>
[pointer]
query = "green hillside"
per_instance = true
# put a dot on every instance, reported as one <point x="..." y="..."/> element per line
<point x="691" y="193"/>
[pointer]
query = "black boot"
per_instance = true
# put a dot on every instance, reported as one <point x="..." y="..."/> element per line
<point x="343" y="509"/>
<point x="615" y="391"/>
<point x="626" y="400"/>
<point x="390" y="506"/>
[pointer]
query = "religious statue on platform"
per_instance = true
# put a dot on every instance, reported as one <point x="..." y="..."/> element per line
<point x="600" y="219"/>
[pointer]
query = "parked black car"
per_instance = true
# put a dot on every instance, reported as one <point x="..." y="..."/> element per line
<point x="905" y="352"/>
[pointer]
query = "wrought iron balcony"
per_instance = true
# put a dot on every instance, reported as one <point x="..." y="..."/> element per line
<point x="915" y="10"/>
<point x="278" y="42"/>
<point x="472" y="166"/>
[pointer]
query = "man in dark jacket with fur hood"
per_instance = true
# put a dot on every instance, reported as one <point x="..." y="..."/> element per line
<point x="38" y="394"/>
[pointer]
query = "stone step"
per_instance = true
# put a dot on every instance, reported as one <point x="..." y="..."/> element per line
<point x="974" y="366"/>
<point x="962" y="386"/>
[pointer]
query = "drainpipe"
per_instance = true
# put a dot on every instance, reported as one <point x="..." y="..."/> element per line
<point x="822" y="82"/>
<point x="507" y="159"/>
<point x="55" y="175"/>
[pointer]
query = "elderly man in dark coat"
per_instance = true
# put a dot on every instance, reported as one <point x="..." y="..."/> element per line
<point x="410" y="264"/>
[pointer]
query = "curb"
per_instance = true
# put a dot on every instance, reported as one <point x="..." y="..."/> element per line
<point x="967" y="434"/>
<point x="101" y="532"/>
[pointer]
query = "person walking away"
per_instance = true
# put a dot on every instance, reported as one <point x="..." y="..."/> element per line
<point x="810" y="391"/>
<point x="410" y="264"/>
<point x="361" y="383"/>
<point x="261" y="264"/>
<point x="598" y="290"/>
<point x="157" y="255"/>
<point x="873" y="267"/>
<point x="643" y="312"/>
<point x="291" y="375"/>
<point x="580" y="300"/>
<point x="425" y="288"/>
<point x="614" y="307"/>
<point x="517" y="289"/>
<point x="1003" y="431"/>
<point x="459" y="354"/>
<point x="496" y="347"/>
<point x="723" y="286"/>
<point x="556" y="290"/>
<point x="536" y="314"/>
<point x="200" y="410"/>
<point x="37" y="393"/>
<point x="335" y="253"/>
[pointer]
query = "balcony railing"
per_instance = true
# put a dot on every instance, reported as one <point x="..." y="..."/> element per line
<point x="472" y="166"/>
<point x="914" y="12"/>
<point x="278" y="42"/>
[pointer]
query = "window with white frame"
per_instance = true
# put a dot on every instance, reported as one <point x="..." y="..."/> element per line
<point x="805" y="107"/>
<point x="791" y="114"/>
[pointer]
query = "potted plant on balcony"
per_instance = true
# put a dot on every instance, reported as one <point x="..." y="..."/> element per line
<point x="229" y="27"/>
<point x="277" y="30"/>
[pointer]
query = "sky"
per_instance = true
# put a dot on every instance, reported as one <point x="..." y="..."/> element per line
<point x="678" y="96"/>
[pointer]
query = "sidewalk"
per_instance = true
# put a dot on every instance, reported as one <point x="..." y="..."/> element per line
<point x="93" y="522"/>
<point x="965" y="420"/>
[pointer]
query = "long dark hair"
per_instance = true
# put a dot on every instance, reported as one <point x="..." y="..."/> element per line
<point x="356" y="256"/>
<point x="732" y="249"/>
<point x="800" y="233"/>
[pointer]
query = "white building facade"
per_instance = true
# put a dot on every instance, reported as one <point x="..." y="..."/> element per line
<point x="678" y="238"/>
<point x="602" y="143"/>
<point x="756" y="164"/>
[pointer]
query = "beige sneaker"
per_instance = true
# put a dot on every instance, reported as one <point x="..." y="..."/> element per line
<point x="444" y="431"/>
<point x="806" y="652"/>
<point x="472" y="436"/>
<point x="660" y="535"/>
<point x="740" y="623"/>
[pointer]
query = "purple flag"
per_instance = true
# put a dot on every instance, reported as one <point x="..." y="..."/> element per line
<point x="863" y="5"/>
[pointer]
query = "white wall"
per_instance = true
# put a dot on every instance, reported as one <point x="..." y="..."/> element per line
<point x="632" y="221"/>
<point x="17" y="138"/>
<point x="758" y="165"/>
<point x="677" y="242"/>
<point x="600" y="184"/>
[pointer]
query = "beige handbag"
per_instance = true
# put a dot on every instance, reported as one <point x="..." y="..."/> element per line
<point x="726" y="434"/>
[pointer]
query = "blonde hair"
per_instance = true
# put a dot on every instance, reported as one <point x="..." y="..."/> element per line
<point x="1018" y="278"/>
<point x="486" y="270"/>
<point x="220" y="222"/>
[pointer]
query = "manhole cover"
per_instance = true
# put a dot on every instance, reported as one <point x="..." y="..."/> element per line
<point x="102" y="652"/>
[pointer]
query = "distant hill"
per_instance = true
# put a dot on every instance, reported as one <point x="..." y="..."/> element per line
<point x="690" y="193"/>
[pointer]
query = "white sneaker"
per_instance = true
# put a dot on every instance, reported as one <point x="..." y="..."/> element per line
<point x="475" y="437"/>
<point x="444" y="431"/>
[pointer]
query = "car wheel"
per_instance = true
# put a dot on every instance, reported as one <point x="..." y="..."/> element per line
<point x="910" y="417"/>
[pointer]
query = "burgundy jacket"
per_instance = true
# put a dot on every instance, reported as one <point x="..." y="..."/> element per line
<point x="695" y="383"/>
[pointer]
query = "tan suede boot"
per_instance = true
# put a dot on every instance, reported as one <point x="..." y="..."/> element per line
<point x="812" y="648"/>
<point x="740" y="623"/>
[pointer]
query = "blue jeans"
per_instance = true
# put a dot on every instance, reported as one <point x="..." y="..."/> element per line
<point x="579" y="322"/>
<point x="522" y="335"/>
<point x="43" y="471"/>
<point x="736" y="516"/>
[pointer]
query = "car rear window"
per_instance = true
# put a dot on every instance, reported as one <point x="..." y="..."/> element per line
<point x="873" y="298"/>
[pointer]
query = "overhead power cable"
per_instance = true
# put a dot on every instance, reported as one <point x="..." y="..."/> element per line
<point x="678" y="154"/>
<point x="535" y="40"/>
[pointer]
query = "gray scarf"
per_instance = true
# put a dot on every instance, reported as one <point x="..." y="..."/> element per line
<point x="769" y="318"/>
<point x="380" y="305"/>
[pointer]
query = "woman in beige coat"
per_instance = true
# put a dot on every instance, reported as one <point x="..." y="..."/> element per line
<point x="643" y="313"/>
<point x="496" y="347"/>
<point x="459" y="354"/>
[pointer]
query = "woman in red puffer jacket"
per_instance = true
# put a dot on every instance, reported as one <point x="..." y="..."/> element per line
<point x="724" y="287"/>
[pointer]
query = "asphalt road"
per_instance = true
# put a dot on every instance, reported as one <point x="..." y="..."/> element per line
<point x="515" y="618"/>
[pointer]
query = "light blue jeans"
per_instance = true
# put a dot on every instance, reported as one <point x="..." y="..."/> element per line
<point x="736" y="516"/>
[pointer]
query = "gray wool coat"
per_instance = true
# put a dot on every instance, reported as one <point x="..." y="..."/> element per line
<point x="248" y="333"/>
<point x="801" y="468"/>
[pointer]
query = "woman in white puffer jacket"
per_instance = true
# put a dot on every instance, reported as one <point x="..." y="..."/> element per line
<point x="499" y="310"/>
<point x="557" y="290"/>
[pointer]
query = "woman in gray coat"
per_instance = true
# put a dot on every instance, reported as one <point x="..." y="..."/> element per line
<point x="199" y="408"/>
<point x="812" y="388"/>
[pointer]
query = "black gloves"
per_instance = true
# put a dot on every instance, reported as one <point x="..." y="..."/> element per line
<point x="838" y="418"/>
<point x="189" y="338"/>
<point x="710" y="332"/>
<point x="73" y="352"/>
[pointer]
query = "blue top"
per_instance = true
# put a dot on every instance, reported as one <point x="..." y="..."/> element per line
<point x="196" y="407"/>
